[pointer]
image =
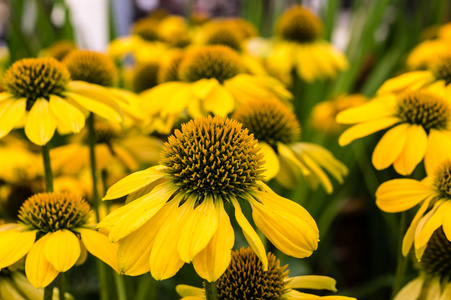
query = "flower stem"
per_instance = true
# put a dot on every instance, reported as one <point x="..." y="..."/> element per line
<point x="62" y="286"/>
<point x="402" y="260"/>
<point x="48" y="292"/>
<point x="47" y="168"/>
<point x="210" y="290"/>
<point x="120" y="287"/>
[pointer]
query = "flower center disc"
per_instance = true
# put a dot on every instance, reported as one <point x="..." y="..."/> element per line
<point x="441" y="68"/>
<point x="220" y="35"/>
<point x="213" y="156"/>
<point x="170" y="71"/>
<point x="145" y="76"/>
<point x="442" y="180"/>
<point x="245" y="279"/>
<point x="299" y="25"/>
<point x="146" y="29"/>
<point x="425" y="109"/>
<point x="436" y="260"/>
<point x="49" y="212"/>
<point x="270" y="121"/>
<point x="218" y="62"/>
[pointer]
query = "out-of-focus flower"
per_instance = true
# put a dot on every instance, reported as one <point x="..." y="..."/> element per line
<point x="286" y="158"/>
<point x="59" y="49"/>
<point x="40" y="96"/>
<point x="176" y="210"/>
<point x="245" y="279"/>
<point x="434" y="267"/>
<point x="419" y="123"/>
<point x="324" y="113"/>
<point x="301" y="48"/>
<point x="434" y="195"/>
<point x="173" y="30"/>
<point x="426" y="53"/>
<point x="54" y="233"/>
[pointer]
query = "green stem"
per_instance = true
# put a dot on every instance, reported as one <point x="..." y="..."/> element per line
<point x="62" y="286"/>
<point x="210" y="290"/>
<point x="47" y="168"/>
<point x="402" y="260"/>
<point x="120" y="287"/>
<point x="48" y="292"/>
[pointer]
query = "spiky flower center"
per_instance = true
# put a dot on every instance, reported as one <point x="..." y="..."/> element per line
<point x="91" y="67"/>
<point x="145" y="76"/>
<point x="441" y="68"/>
<point x="146" y="29"/>
<point x="220" y="35"/>
<point x="34" y="78"/>
<point x="218" y="62"/>
<point x="442" y="180"/>
<point x="270" y="121"/>
<point x="170" y="70"/>
<point x="245" y="279"/>
<point x="436" y="260"/>
<point x="425" y="109"/>
<point x="213" y="156"/>
<point x="60" y="49"/>
<point x="50" y="212"/>
<point x="299" y="25"/>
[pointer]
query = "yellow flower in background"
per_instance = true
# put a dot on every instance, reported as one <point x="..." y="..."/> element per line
<point x="286" y="158"/>
<point x="59" y="49"/>
<point x="40" y="96"/>
<point x="434" y="195"/>
<point x="434" y="280"/>
<point x="323" y="116"/>
<point x="301" y="48"/>
<point x="213" y="81"/>
<point x="245" y="279"/>
<point x="53" y="233"/>
<point x="419" y="127"/>
<point x="426" y="53"/>
<point x="173" y="30"/>
<point x="176" y="210"/>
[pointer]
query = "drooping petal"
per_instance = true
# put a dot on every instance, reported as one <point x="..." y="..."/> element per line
<point x="434" y="289"/>
<point x="41" y="123"/>
<point x="214" y="259"/>
<point x="271" y="165"/>
<point x="312" y="282"/>
<point x="14" y="244"/>
<point x="39" y="271"/>
<point x="438" y="150"/>
<point x="286" y="224"/>
<point x="413" y="151"/>
<point x="435" y="221"/>
<point x="291" y="169"/>
<point x="378" y="108"/>
<point x="411" y="291"/>
<point x="100" y="246"/>
<point x="106" y="110"/>
<point x="62" y="249"/>
<point x="401" y="194"/>
<point x="200" y="225"/>
<point x="11" y="112"/>
<point x="186" y="291"/>
<point x="447" y="224"/>
<point x="67" y="114"/>
<point x="404" y="81"/>
<point x="366" y="128"/>
<point x="219" y="101"/>
<point x="23" y="285"/>
<point x="446" y="294"/>
<point x="390" y="146"/>
<point x="251" y="236"/>
<point x="407" y="241"/>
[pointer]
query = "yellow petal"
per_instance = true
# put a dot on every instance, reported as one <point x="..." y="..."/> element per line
<point x="200" y="225"/>
<point x="214" y="259"/>
<point x="312" y="282"/>
<point x="41" y="123"/>
<point x="404" y="81"/>
<point x="366" y="128"/>
<point x="100" y="246"/>
<point x="11" y="112"/>
<point x="251" y="236"/>
<point x="8" y="290"/>
<point x="178" y="100"/>
<point x="291" y="169"/>
<point x="39" y="271"/>
<point x="401" y="194"/>
<point x="106" y="110"/>
<point x="203" y="87"/>
<point x="411" y="291"/>
<point x="25" y="288"/>
<point x="151" y="99"/>
<point x="378" y="108"/>
<point x="133" y="182"/>
<point x="67" y="114"/>
<point x="434" y="289"/>
<point x="413" y="152"/>
<point x="271" y="165"/>
<point x="134" y="249"/>
<point x="390" y="146"/>
<point x="407" y="241"/>
<point x="219" y="101"/>
<point x="185" y="291"/>
<point x="62" y="249"/>
<point x="14" y="245"/>
<point x="446" y="294"/>
<point x="293" y="231"/>
<point x="425" y="232"/>
<point x="447" y="225"/>
<point x="438" y="150"/>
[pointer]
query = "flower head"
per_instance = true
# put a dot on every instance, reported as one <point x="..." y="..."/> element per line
<point x="211" y="163"/>
<point x="52" y="230"/>
<point x="299" y="25"/>
<point x="59" y="49"/>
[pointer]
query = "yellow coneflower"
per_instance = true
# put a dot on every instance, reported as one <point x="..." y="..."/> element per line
<point x="426" y="53"/>
<point x="434" y="280"/>
<point x="41" y="91"/>
<point x="245" y="279"/>
<point x="176" y="210"/>
<point x="144" y="76"/>
<point x="287" y="159"/>
<point x="173" y="30"/>
<point x="434" y="195"/>
<point x="419" y="123"/>
<point x="301" y="48"/>
<point x="59" y="49"/>
<point x="212" y="81"/>
<point x="53" y="232"/>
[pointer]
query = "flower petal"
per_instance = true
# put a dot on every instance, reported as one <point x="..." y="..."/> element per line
<point x="404" y="81"/>
<point x="271" y="165"/>
<point x="62" y="249"/>
<point x="312" y="282"/>
<point x="407" y="241"/>
<point x="106" y="110"/>
<point x="411" y="291"/>
<point x="185" y="291"/>
<point x="14" y="245"/>
<point x="366" y="128"/>
<point x="251" y="236"/>
<point x="425" y="232"/>
<point x="390" y="146"/>
<point x="438" y="150"/>
<point x="446" y="294"/>
<point x="214" y="259"/>
<point x="100" y="246"/>
<point x="39" y="271"/>
<point x="11" y="112"/>
<point x="67" y="114"/>
<point x="219" y="101"/>
<point x="378" y="108"/>
<point x="413" y="152"/>
<point x="41" y="124"/>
